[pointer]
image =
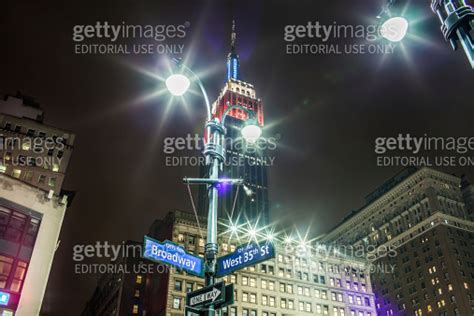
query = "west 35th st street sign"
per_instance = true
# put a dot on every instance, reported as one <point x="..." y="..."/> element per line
<point x="244" y="256"/>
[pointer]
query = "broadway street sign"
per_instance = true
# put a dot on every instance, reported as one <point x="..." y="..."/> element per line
<point x="243" y="256"/>
<point x="173" y="254"/>
<point x="213" y="294"/>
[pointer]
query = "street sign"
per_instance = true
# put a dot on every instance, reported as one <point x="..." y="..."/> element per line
<point x="173" y="254"/>
<point x="229" y="296"/>
<point x="212" y="294"/>
<point x="243" y="256"/>
<point x="188" y="311"/>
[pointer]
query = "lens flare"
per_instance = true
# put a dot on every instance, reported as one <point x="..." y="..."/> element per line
<point x="177" y="84"/>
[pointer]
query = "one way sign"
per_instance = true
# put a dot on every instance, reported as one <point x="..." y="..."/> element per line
<point x="214" y="294"/>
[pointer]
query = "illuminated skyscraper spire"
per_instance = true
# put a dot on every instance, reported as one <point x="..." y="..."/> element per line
<point x="233" y="63"/>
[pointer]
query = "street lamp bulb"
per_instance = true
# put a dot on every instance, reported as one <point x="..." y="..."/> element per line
<point x="288" y="240"/>
<point x="177" y="84"/>
<point x="270" y="237"/>
<point x="394" y="29"/>
<point x="251" y="133"/>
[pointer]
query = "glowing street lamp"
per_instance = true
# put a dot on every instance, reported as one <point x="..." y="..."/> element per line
<point x="394" y="29"/>
<point x="177" y="84"/>
<point x="251" y="132"/>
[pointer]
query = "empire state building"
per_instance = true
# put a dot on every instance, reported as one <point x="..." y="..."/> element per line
<point x="243" y="161"/>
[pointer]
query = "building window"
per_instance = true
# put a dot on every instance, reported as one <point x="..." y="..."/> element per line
<point x="137" y="293"/>
<point x="19" y="276"/>
<point x="271" y="285"/>
<point x="138" y="279"/>
<point x="177" y="303"/>
<point x="42" y="179"/>
<point x="291" y="304"/>
<point x="16" y="173"/>
<point x="253" y="282"/>
<point x="325" y="310"/>
<point x="5" y="269"/>
<point x="189" y="287"/>
<point x="52" y="182"/>
<point x="178" y="285"/>
<point x="135" y="309"/>
<point x="253" y="298"/>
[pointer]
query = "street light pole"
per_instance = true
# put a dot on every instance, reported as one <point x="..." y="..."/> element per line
<point x="214" y="153"/>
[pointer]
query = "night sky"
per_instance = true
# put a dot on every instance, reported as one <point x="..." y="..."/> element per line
<point x="326" y="111"/>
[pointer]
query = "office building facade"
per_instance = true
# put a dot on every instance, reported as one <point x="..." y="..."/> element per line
<point x="419" y="225"/>
<point x="32" y="204"/>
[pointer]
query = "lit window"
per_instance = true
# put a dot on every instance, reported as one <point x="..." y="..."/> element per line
<point x="135" y="309"/>
<point x="138" y="279"/>
<point x="19" y="276"/>
<point x="177" y="303"/>
<point x="5" y="268"/>
<point x="55" y="167"/>
<point x="253" y="298"/>
<point x="137" y="293"/>
<point x="52" y="182"/>
<point x="16" y="173"/>
<point x="3" y="168"/>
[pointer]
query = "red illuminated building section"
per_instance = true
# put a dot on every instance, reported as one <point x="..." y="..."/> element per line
<point x="237" y="92"/>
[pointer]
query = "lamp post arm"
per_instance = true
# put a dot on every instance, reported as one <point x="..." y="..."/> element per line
<point x="251" y="114"/>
